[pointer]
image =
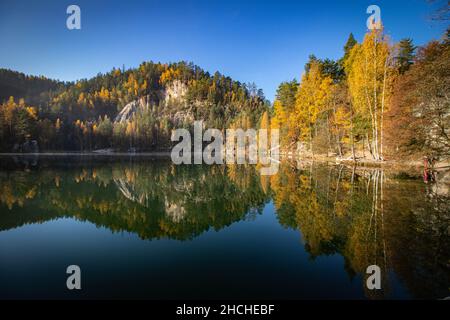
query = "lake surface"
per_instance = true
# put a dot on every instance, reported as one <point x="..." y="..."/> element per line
<point x="145" y="228"/>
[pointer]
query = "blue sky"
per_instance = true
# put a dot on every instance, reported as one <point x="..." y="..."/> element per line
<point x="262" y="41"/>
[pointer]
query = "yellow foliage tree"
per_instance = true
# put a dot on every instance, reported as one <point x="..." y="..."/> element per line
<point x="370" y="77"/>
<point x="312" y="99"/>
<point x="169" y="75"/>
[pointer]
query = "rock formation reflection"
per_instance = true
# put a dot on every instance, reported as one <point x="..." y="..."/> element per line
<point x="366" y="215"/>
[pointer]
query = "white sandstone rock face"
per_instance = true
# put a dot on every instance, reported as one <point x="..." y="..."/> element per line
<point x="131" y="108"/>
<point x="174" y="211"/>
<point x="174" y="94"/>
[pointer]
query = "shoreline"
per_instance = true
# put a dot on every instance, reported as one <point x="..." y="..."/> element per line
<point x="357" y="162"/>
<point x="62" y="154"/>
<point x="409" y="168"/>
<point x="366" y="162"/>
<point x="283" y="156"/>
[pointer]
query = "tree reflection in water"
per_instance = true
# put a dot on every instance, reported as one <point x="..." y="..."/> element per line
<point x="370" y="216"/>
<point x="366" y="215"/>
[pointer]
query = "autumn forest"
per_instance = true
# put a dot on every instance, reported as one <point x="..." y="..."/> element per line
<point x="101" y="198"/>
<point x="381" y="100"/>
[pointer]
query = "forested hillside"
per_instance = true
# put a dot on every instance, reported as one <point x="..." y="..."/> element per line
<point x="381" y="100"/>
<point x="32" y="89"/>
<point x="154" y="98"/>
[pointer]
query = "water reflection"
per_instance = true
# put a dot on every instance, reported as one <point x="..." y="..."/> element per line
<point x="154" y="200"/>
<point x="370" y="217"/>
<point x="366" y="215"/>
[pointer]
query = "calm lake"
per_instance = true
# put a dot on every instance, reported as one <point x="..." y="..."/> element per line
<point x="145" y="228"/>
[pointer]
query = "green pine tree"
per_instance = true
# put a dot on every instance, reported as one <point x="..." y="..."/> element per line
<point x="405" y="55"/>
